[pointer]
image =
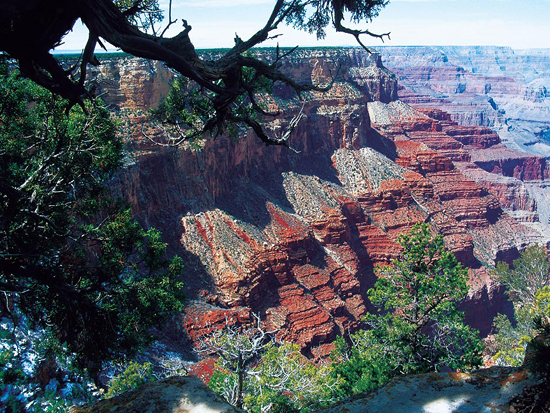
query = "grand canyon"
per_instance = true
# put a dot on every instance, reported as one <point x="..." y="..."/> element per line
<point x="204" y="217"/>
<point x="454" y="137"/>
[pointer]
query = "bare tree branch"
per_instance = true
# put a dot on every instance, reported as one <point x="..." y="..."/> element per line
<point x="338" y="19"/>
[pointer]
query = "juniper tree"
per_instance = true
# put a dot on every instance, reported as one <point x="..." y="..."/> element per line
<point x="237" y="349"/>
<point x="418" y="327"/>
<point x="72" y="259"/>
<point x="30" y="29"/>
<point x="257" y="373"/>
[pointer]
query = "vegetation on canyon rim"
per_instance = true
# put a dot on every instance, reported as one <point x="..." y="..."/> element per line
<point x="528" y="286"/>
<point x="74" y="264"/>
<point x="419" y="328"/>
<point x="256" y="373"/>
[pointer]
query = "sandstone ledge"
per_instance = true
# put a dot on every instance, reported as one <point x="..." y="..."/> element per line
<point x="487" y="390"/>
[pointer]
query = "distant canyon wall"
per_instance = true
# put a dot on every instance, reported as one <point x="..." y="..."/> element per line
<point x="505" y="89"/>
<point x="499" y="87"/>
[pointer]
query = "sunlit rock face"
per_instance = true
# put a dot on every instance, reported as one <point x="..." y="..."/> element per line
<point x="172" y="395"/>
<point x="294" y="236"/>
<point x="499" y="87"/>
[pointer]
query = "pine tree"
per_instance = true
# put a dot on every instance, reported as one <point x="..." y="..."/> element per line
<point x="73" y="261"/>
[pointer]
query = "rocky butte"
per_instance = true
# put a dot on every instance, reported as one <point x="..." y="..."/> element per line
<point x="294" y="236"/>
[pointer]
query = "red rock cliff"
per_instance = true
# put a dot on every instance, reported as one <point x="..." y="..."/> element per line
<point x="499" y="87"/>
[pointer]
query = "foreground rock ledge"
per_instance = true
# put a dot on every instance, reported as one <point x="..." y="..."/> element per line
<point x="485" y="391"/>
<point x="172" y="395"/>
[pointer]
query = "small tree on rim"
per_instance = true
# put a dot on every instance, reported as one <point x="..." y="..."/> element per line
<point x="419" y="328"/>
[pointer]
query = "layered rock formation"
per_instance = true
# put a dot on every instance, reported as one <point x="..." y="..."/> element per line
<point x="498" y="87"/>
<point x="295" y="237"/>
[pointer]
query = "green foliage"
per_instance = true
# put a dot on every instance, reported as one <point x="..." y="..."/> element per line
<point x="530" y="272"/>
<point x="283" y="404"/>
<point x="527" y="285"/>
<point x="360" y="367"/>
<point x="186" y="110"/>
<point x="285" y="381"/>
<point x="511" y="341"/>
<point x="143" y="14"/>
<point x="51" y="402"/>
<point x="13" y="405"/>
<point x="72" y="259"/>
<point x="19" y="381"/>
<point x="531" y="319"/>
<point x="10" y="370"/>
<point x="314" y="16"/>
<point x="49" y="160"/>
<point x="221" y="380"/>
<point x="189" y="112"/>
<point x="539" y="362"/>
<point x="419" y="328"/>
<point x="133" y="376"/>
<point x="278" y="379"/>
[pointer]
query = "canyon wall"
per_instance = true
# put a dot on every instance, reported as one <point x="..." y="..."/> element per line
<point x="497" y="87"/>
<point x="294" y="236"/>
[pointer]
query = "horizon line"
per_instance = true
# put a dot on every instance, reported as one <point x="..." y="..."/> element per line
<point x="109" y="51"/>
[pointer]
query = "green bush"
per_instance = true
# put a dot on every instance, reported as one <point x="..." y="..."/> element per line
<point x="539" y="362"/>
<point x="133" y="376"/>
<point x="527" y="285"/>
<point x="91" y="275"/>
<point x="10" y="370"/>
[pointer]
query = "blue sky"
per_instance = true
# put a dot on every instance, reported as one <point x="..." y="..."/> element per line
<point x="514" y="23"/>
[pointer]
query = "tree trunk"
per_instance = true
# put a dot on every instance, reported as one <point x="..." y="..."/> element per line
<point x="240" y="375"/>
